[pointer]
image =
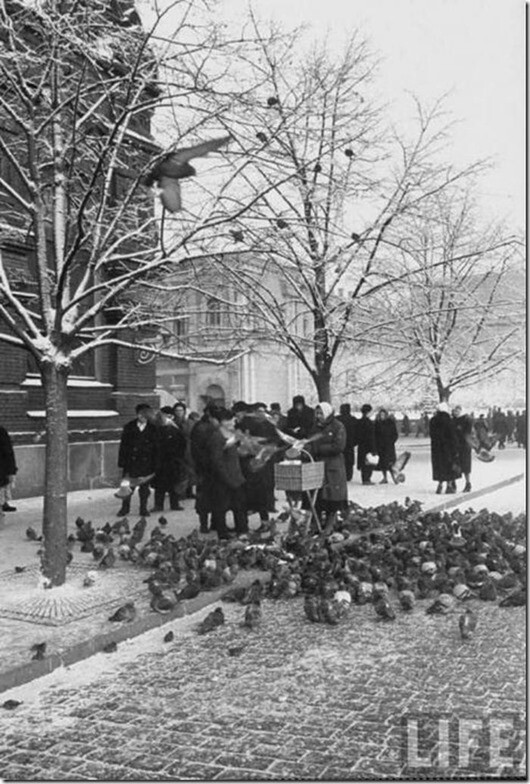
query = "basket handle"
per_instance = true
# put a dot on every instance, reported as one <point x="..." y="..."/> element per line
<point x="311" y="458"/>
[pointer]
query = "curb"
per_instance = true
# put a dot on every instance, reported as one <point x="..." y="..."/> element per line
<point x="462" y="499"/>
<point x="83" y="650"/>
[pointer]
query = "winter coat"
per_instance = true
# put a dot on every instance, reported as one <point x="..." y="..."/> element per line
<point x="172" y="455"/>
<point x="199" y="449"/>
<point x="386" y="435"/>
<point x="223" y="475"/>
<point x="138" y="454"/>
<point x="300" y="423"/>
<point x="259" y="485"/>
<point x="329" y="448"/>
<point x="464" y="428"/>
<point x="444" y="448"/>
<point x="365" y="440"/>
<point x="8" y="466"/>
<point x="350" y="426"/>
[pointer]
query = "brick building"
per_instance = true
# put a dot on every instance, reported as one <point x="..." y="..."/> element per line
<point x="105" y="386"/>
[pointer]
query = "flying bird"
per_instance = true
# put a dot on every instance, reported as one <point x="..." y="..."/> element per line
<point x="176" y="166"/>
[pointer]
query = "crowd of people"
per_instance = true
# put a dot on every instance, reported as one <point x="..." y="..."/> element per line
<point x="225" y="458"/>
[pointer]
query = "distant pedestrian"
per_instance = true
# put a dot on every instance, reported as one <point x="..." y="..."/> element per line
<point x="279" y="419"/>
<point x="8" y="469"/>
<point x="300" y="418"/>
<point x="405" y="426"/>
<point x="200" y="454"/>
<point x="386" y="436"/>
<point x="350" y="426"/>
<point x="520" y="429"/>
<point x="138" y="456"/>
<point x="444" y="450"/>
<point x="464" y="432"/>
<point x="365" y="444"/>
<point x="185" y="424"/>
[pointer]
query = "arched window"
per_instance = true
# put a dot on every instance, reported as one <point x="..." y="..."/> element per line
<point x="213" y="312"/>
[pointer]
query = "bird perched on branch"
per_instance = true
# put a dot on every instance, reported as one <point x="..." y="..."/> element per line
<point x="175" y="166"/>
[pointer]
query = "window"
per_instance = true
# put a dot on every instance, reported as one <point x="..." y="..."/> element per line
<point x="213" y="312"/>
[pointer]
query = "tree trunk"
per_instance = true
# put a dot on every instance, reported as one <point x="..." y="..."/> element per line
<point x="322" y="379"/>
<point x="54" y="524"/>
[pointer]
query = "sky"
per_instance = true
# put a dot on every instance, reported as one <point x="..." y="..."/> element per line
<point x="472" y="50"/>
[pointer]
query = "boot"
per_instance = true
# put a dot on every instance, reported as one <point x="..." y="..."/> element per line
<point x="467" y="487"/>
<point x="451" y="487"/>
<point x="125" y="508"/>
<point x="439" y="488"/>
<point x="8" y="508"/>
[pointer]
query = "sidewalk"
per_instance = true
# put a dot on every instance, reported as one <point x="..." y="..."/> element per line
<point x="88" y="633"/>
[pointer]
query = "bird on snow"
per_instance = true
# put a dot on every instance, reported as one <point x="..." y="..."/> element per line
<point x="90" y="579"/>
<point x="125" y="613"/>
<point x="11" y="704"/>
<point x="253" y="593"/>
<point x="488" y="591"/>
<point x="312" y="608"/>
<point x="110" y="647"/>
<point x="467" y="624"/>
<point x="32" y="535"/>
<point x="252" y="615"/>
<point x="514" y="599"/>
<point x="212" y="621"/>
<point x="406" y="600"/>
<point x="19" y="569"/>
<point x="384" y="609"/>
<point x="169" y="637"/>
<point x="441" y="605"/>
<point x="175" y="166"/>
<point x="39" y="649"/>
<point x="236" y="650"/>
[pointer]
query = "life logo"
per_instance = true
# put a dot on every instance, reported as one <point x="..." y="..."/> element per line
<point x="473" y="744"/>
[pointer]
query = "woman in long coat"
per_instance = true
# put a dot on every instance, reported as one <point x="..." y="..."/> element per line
<point x="329" y="447"/>
<point x="386" y="436"/>
<point x="171" y="462"/>
<point x="464" y="429"/>
<point x="365" y="443"/>
<point x="444" y="450"/>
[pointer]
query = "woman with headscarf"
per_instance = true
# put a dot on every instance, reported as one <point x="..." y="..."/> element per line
<point x="385" y="442"/>
<point x="327" y="443"/>
<point x="444" y="450"/>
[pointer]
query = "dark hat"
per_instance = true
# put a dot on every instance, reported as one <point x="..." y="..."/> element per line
<point x="166" y="410"/>
<point x="224" y="414"/>
<point x="298" y="399"/>
<point x="366" y="408"/>
<point x="275" y="407"/>
<point x="142" y="407"/>
<point x="258" y="405"/>
<point x="345" y="408"/>
<point x="240" y="406"/>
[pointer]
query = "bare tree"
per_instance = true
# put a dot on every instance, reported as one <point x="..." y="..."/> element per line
<point x="80" y="83"/>
<point x="457" y="316"/>
<point x="341" y="187"/>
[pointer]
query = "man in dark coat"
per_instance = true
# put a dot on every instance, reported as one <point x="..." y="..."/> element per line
<point x="365" y="443"/>
<point x="171" y="465"/>
<point x="300" y="418"/>
<point x="8" y="469"/>
<point x="224" y="482"/>
<point x="350" y="426"/>
<point x="444" y="449"/>
<point x="200" y="455"/>
<point x="138" y="456"/>
<point x="464" y="430"/>
<point x="520" y="429"/>
<point x="386" y="436"/>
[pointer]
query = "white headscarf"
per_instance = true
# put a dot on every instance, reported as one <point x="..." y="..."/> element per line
<point x="327" y="410"/>
<point x="444" y="407"/>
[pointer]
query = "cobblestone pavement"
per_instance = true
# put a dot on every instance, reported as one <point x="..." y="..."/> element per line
<point x="302" y="701"/>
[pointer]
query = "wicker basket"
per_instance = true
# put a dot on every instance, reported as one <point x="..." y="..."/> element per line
<point x="298" y="476"/>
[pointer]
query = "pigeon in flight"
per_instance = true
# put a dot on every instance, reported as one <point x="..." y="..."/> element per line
<point x="175" y="166"/>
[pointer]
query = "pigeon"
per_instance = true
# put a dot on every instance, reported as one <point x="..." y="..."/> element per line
<point x="312" y="608"/>
<point x="384" y="609"/>
<point x="89" y="580"/>
<point x="11" y="704"/>
<point x="32" y="535"/>
<point x="176" y="166"/>
<point x="162" y="521"/>
<point x="330" y="611"/>
<point x="355" y="237"/>
<point x="488" y="591"/>
<point x="19" y="569"/>
<point x="467" y="624"/>
<point x="237" y="235"/>
<point x="39" y="649"/>
<point x="236" y="650"/>
<point x="348" y="152"/>
<point x="163" y="602"/>
<point x="281" y="223"/>
<point x="514" y="599"/>
<point x="441" y="606"/>
<point x="110" y="647"/>
<point x="261" y="137"/>
<point x="406" y="600"/>
<point x="253" y="593"/>
<point x="212" y="621"/>
<point x="125" y="613"/>
<point x="108" y="560"/>
<point x="272" y="101"/>
<point x="252" y="615"/>
<point x="169" y="637"/>
<point x="317" y="168"/>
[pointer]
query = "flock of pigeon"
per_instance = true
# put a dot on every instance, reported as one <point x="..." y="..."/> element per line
<point x="389" y="556"/>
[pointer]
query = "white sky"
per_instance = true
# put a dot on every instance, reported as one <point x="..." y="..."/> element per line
<point x="472" y="49"/>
